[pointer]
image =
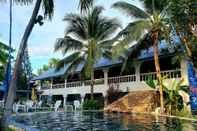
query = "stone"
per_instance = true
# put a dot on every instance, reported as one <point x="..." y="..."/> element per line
<point x="135" y="101"/>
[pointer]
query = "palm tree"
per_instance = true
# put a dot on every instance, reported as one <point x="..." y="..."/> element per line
<point x="48" y="12"/>
<point x="152" y="24"/>
<point x="48" y="7"/>
<point x="88" y="38"/>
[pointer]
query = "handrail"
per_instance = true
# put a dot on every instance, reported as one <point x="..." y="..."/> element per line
<point x="96" y="82"/>
<point x="120" y="79"/>
<point x="58" y="86"/>
<point x="168" y="73"/>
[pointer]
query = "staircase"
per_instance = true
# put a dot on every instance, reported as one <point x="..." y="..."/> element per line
<point x="135" y="101"/>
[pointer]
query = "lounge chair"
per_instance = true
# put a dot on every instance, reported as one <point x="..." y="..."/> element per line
<point x="2" y="103"/>
<point x="57" y="105"/>
<point x="17" y="106"/>
<point x="77" y="105"/>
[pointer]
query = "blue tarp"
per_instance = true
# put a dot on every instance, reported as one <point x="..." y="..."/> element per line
<point x="193" y="86"/>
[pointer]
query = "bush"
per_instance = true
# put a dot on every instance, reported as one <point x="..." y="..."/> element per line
<point x="90" y="105"/>
<point x="113" y="94"/>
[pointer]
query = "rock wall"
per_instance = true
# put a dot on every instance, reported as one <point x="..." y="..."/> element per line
<point x="136" y="101"/>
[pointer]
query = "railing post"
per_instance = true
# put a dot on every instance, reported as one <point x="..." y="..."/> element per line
<point x="137" y="71"/>
<point x="105" y="77"/>
<point x="65" y="82"/>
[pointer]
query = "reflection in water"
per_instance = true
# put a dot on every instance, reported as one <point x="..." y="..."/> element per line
<point x="99" y="121"/>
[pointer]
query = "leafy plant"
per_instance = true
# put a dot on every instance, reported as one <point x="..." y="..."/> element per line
<point x="90" y="105"/>
<point x="172" y="99"/>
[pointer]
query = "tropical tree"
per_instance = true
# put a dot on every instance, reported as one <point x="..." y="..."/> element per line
<point x="48" y="12"/>
<point x="182" y="14"/>
<point x="3" y="59"/>
<point x="151" y="25"/>
<point x="88" y="37"/>
<point x="3" y="53"/>
<point x="51" y="64"/>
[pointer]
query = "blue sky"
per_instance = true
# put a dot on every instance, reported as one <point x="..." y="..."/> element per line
<point x="42" y="39"/>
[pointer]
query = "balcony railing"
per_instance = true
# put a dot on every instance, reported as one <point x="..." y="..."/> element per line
<point x="74" y="84"/>
<point x="58" y="86"/>
<point x="169" y="74"/>
<point x="120" y="79"/>
<point x="96" y="82"/>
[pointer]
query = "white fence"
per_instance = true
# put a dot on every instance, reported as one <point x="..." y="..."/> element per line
<point x="120" y="79"/>
<point x="169" y="74"/>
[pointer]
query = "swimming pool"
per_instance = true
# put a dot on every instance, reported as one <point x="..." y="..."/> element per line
<point x="100" y="121"/>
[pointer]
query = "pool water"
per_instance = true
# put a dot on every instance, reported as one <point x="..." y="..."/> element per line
<point x="99" y="121"/>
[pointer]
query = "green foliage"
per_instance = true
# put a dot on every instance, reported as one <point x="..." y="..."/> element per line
<point x="48" y="6"/>
<point x="88" y="37"/>
<point x="90" y="105"/>
<point x="3" y="53"/>
<point x="51" y="64"/>
<point x="85" y="5"/>
<point x="140" y="30"/>
<point x="173" y="100"/>
<point x="113" y="94"/>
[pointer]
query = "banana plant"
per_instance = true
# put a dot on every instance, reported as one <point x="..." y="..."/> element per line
<point x="172" y="99"/>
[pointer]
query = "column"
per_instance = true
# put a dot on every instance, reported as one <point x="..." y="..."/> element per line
<point x="105" y="99"/>
<point x="137" y="71"/>
<point x="41" y="84"/>
<point x="82" y="98"/>
<point x="184" y="72"/>
<point x="105" y="71"/>
<point x="51" y="83"/>
<point x="65" y="82"/>
<point x="65" y="100"/>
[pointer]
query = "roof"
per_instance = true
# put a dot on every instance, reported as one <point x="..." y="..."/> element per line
<point x="104" y="62"/>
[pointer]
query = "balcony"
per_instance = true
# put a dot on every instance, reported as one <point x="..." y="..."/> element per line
<point x="170" y="74"/>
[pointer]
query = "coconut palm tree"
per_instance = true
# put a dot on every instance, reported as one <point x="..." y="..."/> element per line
<point x="88" y="37"/>
<point x="148" y="24"/>
<point x="48" y="12"/>
<point x="48" y="7"/>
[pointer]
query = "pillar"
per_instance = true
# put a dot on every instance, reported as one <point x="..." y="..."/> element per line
<point x="82" y="98"/>
<point x="51" y="83"/>
<point x="65" y="82"/>
<point x="65" y="100"/>
<point x="184" y="72"/>
<point x="137" y="71"/>
<point x="105" y="71"/>
<point x="105" y="99"/>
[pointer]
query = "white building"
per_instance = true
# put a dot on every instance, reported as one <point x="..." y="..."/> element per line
<point x="107" y="73"/>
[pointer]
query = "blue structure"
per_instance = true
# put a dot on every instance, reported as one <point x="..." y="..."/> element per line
<point x="193" y="87"/>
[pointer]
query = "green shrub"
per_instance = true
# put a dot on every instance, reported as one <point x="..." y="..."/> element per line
<point x="90" y="105"/>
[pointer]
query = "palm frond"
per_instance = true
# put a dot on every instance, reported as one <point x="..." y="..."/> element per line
<point x="135" y="30"/>
<point x="67" y="44"/>
<point x="48" y="7"/>
<point x="85" y="5"/>
<point x="76" y="26"/>
<point x="131" y="10"/>
<point x="72" y="67"/>
<point x="67" y="60"/>
<point x="21" y="2"/>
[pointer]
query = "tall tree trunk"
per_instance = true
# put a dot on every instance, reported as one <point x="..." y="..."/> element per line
<point x="92" y="85"/>
<point x="17" y="66"/>
<point x="157" y="67"/>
